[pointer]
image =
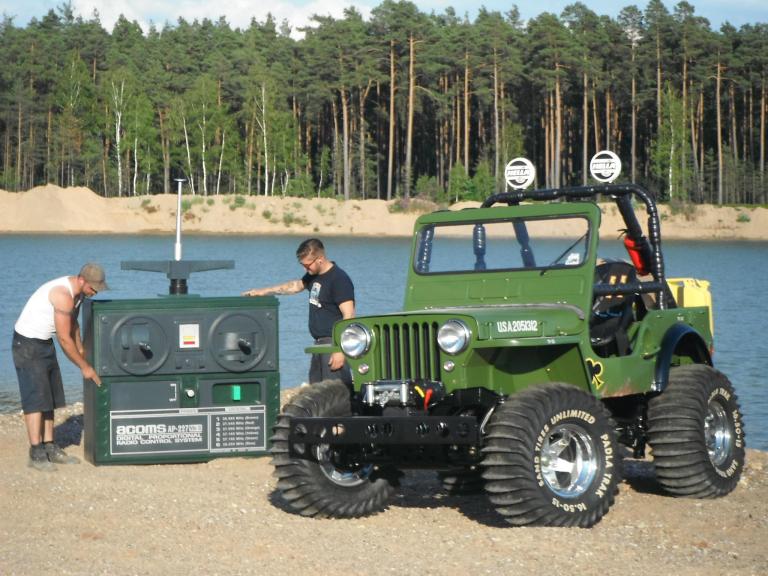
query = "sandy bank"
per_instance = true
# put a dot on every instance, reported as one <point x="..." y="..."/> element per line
<point x="50" y="209"/>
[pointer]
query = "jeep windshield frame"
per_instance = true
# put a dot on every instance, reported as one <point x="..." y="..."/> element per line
<point x="504" y="284"/>
<point x="503" y="244"/>
<point x="649" y="247"/>
<point x="497" y="286"/>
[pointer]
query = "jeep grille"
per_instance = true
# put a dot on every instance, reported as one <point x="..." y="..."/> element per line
<point x="408" y="351"/>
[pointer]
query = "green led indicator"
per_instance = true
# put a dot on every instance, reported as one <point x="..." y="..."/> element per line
<point x="236" y="392"/>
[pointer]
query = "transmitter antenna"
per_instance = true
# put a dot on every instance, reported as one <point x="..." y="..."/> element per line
<point x="177" y="270"/>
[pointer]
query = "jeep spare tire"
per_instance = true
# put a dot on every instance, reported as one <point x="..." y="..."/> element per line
<point x="317" y="483"/>
<point x="551" y="458"/>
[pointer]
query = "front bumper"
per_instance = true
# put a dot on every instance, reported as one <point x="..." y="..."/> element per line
<point x="383" y="430"/>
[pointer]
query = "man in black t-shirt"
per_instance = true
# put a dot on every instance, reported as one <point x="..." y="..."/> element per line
<point x="331" y="298"/>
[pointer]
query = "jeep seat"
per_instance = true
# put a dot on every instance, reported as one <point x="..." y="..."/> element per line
<point x="612" y="314"/>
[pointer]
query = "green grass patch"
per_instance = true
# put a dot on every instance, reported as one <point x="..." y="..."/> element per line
<point x="147" y="206"/>
<point x="290" y="218"/>
<point x="238" y="202"/>
<point x="412" y="206"/>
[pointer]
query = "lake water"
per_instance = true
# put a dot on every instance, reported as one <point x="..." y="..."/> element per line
<point x="738" y="272"/>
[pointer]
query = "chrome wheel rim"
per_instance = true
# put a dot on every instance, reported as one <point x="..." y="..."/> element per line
<point x="346" y="478"/>
<point x="568" y="460"/>
<point x="717" y="433"/>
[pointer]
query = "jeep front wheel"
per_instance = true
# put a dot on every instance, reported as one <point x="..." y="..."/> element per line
<point x="551" y="458"/>
<point x="696" y="433"/>
<point x="326" y="482"/>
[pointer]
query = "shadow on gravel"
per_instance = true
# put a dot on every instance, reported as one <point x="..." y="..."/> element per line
<point x="641" y="476"/>
<point x="477" y="507"/>
<point x="69" y="432"/>
<point x="421" y="489"/>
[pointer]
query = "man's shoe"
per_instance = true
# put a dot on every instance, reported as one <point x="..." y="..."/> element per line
<point x="57" y="456"/>
<point x="38" y="459"/>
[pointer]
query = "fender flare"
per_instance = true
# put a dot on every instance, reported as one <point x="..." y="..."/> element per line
<point x="680" y="340"/>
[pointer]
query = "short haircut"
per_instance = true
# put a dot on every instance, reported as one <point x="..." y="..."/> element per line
<point x="311" y="246"/>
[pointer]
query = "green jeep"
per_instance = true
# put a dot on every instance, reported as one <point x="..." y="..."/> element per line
<point x="520" y="363"/>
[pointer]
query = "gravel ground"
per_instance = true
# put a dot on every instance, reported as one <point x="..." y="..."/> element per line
<point x="224" y="517"/>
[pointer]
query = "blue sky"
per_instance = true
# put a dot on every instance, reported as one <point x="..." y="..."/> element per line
<point x="239" y="12"/>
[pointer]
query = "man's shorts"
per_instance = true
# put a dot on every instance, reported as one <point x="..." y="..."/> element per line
<point x="40" y="381"/>
<point x="320" y="371"/>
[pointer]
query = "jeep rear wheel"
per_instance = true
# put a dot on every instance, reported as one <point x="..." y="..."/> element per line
<point x="325" y="482"/>
<point x="696" y="433"/>
<point x="551" y="458"/>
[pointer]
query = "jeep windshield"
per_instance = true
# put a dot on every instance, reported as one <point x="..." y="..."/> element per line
<point x="505" y="244"/>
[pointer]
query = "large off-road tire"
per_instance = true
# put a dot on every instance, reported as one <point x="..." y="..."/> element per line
<point x="696" y="433"/>
<point x="315" y="485"/>
<point x="467" y="480"/>
<point x="551" y="458"/>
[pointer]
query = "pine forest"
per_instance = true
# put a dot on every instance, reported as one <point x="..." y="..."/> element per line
<point x="399" y="105"/>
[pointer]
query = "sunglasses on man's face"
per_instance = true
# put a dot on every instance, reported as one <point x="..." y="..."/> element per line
<point x="308" y="264"/>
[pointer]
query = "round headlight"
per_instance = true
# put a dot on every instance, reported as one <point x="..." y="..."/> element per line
<point x="355" y="340"/>
<point x="453" y="336"/>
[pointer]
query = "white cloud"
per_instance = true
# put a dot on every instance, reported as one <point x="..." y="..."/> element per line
<point x="238" y="13"/>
